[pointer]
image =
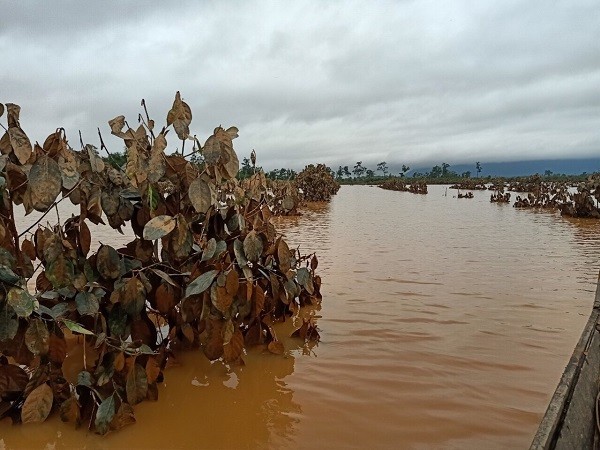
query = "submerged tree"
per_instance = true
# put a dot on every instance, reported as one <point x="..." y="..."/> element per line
<point x="206" y="268"/>
<point x="316" y="183"/>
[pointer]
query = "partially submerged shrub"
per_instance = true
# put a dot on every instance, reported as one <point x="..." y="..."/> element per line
<point x="316" y="183"/>
<point x="206" y="269"/>
<point x="584" y="203"/>
<point x="284" y="198"/>
<point x="499" y="196"/>
<point x="397" y="184"/>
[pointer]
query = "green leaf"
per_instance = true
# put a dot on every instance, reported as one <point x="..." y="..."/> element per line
<point x="159" y="227"/>
<point x="305" y="279"/>
<point x="108" y="262"/>
<point x="117" y="321"/>
<point x="144" y="350"/>
<point x="22" y="302"/>
<point x="9" y="324"/>
<point x="152" y="197"/>
<point x="221" y="247"/>
<point x="7" y="275"/>
<point x="238" y="250"/>
<point x="59" y="310"/>
<point x="209" y="250"/>
<point x="37" y="337"/>
<point x="136" y="386"/>
<point x="85" y="379"/>
<point x="165" y="276"/>
<point x="105" y="414"/>
<point x="87" y="303"/>
<point x="201" y="283"/>
<point x="60" y="272"/>
<point x="76" y="328"/>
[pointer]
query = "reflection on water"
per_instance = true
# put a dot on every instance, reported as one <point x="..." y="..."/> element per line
<point x="446" y="323"/>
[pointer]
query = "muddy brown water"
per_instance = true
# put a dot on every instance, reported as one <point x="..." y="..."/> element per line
<point x="445" y="323"/>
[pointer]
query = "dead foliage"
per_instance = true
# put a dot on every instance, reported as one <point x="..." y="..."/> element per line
<point x="397" y="184"/>
<point x="206" y="269"/>
<point x="316" y="183"/>
<point x="584" y="202"/>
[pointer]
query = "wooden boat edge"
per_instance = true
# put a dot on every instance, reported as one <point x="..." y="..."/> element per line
<point x="570" y="421"/>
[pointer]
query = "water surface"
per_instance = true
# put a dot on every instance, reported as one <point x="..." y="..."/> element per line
<point x="446" y="323"/>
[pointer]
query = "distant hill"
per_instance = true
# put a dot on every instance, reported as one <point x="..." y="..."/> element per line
<point x="523" y="168"/>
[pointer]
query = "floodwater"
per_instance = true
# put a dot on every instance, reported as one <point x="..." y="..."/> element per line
<point x="445" y="323"/>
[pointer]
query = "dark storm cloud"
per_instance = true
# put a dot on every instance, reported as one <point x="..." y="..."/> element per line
<point x="335" y="82"/>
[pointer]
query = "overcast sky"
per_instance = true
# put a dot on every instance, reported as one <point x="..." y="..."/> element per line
<point x="413" y="82"/>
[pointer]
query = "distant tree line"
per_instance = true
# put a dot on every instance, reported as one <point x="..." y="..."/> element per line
<point x="359" y="173"/>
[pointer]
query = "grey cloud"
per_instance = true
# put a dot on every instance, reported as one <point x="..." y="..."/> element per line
<point x="308" y="81"/>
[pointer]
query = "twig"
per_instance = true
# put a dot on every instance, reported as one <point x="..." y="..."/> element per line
<point x="147" y="118"/>
<point x="81" y="140"/>
<point x="103" y="147"/>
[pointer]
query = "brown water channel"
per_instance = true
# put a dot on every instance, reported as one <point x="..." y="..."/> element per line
<point x="446" y="323"/>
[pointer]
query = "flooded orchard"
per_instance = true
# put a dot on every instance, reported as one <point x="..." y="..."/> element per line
<point x="445" y="323"/>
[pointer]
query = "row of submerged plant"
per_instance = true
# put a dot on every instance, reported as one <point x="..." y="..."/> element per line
<point x="398" y="184"/>
<point x="579" y="200"/>
<point x="206" y="268"/>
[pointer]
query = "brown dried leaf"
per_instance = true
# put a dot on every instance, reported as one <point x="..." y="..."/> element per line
<point x="213" y="349"/>
<point x="179" y="242"/>
<point x="85" y="237"/>
<point x="201" y="194"/>
<point x="152" y="369"/>
<point x="95" y="161"/>
<point x="70" y="411"/>
<point x="233" y="350"/>
<point x="20" y="143"/>
<point x="232" y="283"/>
<point x="159" y="227"/>
<point x="156" y="163"/>
<point x="166" y="298"/>
<point x="180" y="116"/>
<point x="116" y="126"/>
<point x="38" y="404"/>
<point x="45" y="182"/>
<point x="124" y="416"/>
<point x="284" y="256"/>
<point x="232" y="165"/>
<point x="68" y="168"/>
<point x="57" y="351"/>
<point x="220" y="298"/>
<point x="212" y="151"/>
<point x="28" y="248"/>
<point x="12" y="114"/>
<point x="253" y="246"/>
<point x="13" y="380"/>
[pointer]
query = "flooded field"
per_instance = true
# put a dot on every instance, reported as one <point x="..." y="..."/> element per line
<point x="445" y="323"/>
